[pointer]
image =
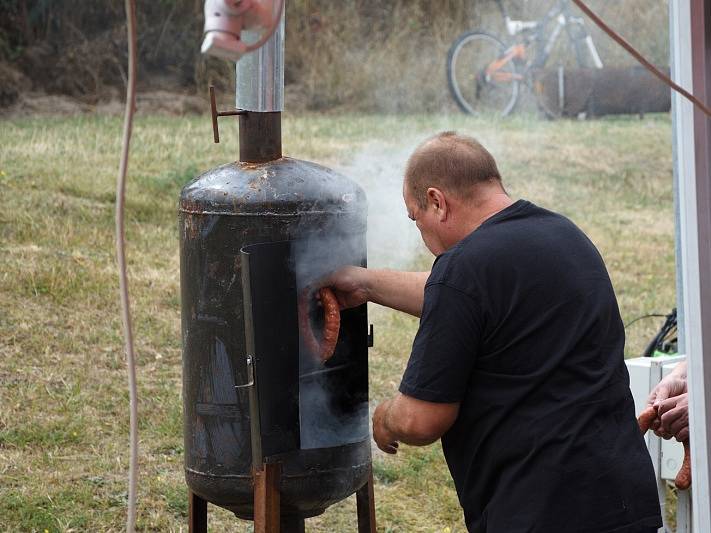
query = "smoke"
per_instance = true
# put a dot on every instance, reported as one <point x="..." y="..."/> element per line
<point x="330" y="416"/>
<point x="393" y="239"/>
<point x="323" y="424"/>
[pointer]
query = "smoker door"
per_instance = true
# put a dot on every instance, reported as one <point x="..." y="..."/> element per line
<point x="272" y="340"/>
<point x="303" y="402"/>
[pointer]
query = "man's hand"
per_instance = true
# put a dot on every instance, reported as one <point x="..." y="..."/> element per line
<point x="672" y="385"/>
<point x="350" y="285"/>
<point x="412" y="421"/>
<point x="383" y="437"/>
<point x="674" y="416"/>
<point x="669" y="387"/>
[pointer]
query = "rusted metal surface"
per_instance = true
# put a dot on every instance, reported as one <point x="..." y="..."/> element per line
<point x="221" y="211"/>
<point x="267" y="509"/>
<point x="216" y="114"/>
<point x="197" y="513"/>
<point x="259" y="137"/>
<point x="365" y="502"/>
<point x="285" y="187"/>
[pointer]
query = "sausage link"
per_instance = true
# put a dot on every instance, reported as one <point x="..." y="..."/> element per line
<point x="331" y="323"/>
<point x="646" y="418"/>
<point x="324" y="348"/>
<point x="683" y="477"/>
<point x="307" y="333"/>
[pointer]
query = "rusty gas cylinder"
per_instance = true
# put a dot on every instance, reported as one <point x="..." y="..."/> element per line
<point x="220" y="212"/>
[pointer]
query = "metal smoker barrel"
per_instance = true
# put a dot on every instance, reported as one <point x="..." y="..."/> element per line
<point x="221" y="212"/>
<point x="321" y="216"/>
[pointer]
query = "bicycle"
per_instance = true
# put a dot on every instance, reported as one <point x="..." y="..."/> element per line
<point x="486" y="74"/>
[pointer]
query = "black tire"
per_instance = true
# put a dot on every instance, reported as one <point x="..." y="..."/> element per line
<point x="467" y="60"/>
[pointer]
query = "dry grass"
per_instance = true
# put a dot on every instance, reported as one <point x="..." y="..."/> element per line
<point x="391" y="58"/>
<point x="63" y="414"/>
<point x="361" y="55"/>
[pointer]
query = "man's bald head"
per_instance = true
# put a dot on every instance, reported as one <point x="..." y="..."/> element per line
<point x="450" y="162"/>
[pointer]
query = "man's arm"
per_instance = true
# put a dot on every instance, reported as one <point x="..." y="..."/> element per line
<point x="412" y="421"/>
<point x="404" y="291"/>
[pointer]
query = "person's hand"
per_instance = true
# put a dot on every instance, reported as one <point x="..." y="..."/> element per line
<point x="349" y="284"/>
<point x="669" y="387"/>
<point x="674" y="416"/>
<point x="382" y="436"/>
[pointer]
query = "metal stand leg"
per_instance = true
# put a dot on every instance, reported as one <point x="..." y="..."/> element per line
<point x="292" y="524"/>
<point x="267" y="499"/>
<point x="365" y="502"/>
<point x="197" y="513"/>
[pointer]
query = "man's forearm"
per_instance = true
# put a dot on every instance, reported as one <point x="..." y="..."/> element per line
<point x="399" y="427"/>
<point x="404" y="291"/>
<point x="412" y="421"/>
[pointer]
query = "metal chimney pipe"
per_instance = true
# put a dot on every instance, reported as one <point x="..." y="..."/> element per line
<point x="260" y="74"/>
<point x="260" y="92"/>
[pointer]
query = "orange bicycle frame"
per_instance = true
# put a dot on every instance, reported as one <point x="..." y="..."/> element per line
<point x="493" y="71"/>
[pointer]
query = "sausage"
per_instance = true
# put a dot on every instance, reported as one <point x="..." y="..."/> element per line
<point x="646" y="418"/>
<point x="305" y="330"/>
<point x="324" y="348"/>
<point x="331" y="324"/>
<point x="683" y="477"/>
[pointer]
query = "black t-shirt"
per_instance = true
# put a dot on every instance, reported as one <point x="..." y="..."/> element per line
<point x="520" y="324"/>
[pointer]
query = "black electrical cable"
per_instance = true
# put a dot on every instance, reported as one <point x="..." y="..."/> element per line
<point x="652" y="315"/>
<point x="663" y="336"/>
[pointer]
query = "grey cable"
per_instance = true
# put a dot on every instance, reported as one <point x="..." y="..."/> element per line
<point x="121" y="258"/>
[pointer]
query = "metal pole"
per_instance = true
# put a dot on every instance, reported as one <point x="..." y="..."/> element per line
<point x="260" y="74"/>
<point x="691" y="51"/>
<point x="260" y="92"/>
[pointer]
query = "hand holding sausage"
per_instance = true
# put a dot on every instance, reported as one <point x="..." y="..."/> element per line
<point x="673" y="414"/>
<point x="350" y="286"/>
<point x="323" y="348"/>
<point x="672" y="385"/>
<point x="683" y="478"/>
<point x="646" y="419"/>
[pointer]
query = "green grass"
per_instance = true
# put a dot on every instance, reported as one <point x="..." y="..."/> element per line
<point x="63" y="414"/>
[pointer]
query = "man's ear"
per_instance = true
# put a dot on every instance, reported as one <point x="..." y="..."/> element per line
<point x="437" y="199"/>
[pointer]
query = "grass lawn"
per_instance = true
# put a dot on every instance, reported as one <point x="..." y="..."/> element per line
<point x="63" y="403"/>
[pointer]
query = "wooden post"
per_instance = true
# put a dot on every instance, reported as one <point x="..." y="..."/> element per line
<point x="365" y="503"/>
<point x="267" y="499"/>
<point x="197" y="513"/>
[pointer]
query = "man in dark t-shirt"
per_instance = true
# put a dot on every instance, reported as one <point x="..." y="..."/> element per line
<point x="518" y="361"/>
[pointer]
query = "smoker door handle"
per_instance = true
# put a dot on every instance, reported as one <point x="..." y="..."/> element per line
<point x="254" y="423"/>
<point x="250" y="374"/>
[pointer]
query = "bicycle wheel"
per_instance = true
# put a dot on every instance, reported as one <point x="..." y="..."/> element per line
<point x="477" y="84"/>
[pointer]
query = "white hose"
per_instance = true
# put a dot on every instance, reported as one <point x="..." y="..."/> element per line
<point x="121" y="257"/>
